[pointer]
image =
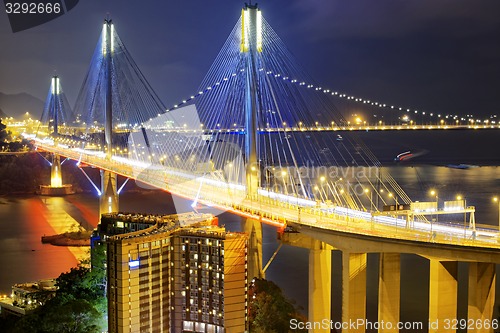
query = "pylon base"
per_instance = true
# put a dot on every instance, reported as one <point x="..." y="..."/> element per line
<point x="66" y="189"/>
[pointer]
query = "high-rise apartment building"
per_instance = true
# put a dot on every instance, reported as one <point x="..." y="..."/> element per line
<point x="181" y="275"/>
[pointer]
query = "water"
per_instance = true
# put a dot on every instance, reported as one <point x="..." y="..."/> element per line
<point x="24" y="219"/>
<point x="438" y="147"/>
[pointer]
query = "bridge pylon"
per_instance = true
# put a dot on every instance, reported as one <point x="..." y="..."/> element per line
<point x="56" y="186"/>
<point x="108" y="202"/>
<point x="109" y="194"/>
<point x="55" y="93"/>
<point x="55" y="113"/>
<point x="251" y="45"/>
<point x="108" y="50"/>
<point x="253" y="229"/>
<point x="55" y="171"/>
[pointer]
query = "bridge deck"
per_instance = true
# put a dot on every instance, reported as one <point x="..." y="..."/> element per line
<point x="280" y="210"/>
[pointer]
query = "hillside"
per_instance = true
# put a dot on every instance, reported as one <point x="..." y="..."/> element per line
<point x="16" y="105"/>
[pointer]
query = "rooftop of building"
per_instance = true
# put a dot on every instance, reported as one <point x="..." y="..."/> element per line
<point x="33" y="287"/>
<point x="189" y="223"/>
<point x="154" y="219"/>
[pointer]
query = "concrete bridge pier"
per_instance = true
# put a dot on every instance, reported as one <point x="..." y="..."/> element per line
<point x="389" y="290"/>
<point x="443" y="278"/>
<point x="443" y="295"/>
<point x="56" y="186"/>
<point x="443" y="288"/>
<point x="353" y="290"/>
<point x="108" y="202"/>
<point x="253" y="228"/>
<point x="320" y="276"/>
<point x="55" y="171"/>
<point x="320" y="283"/>
<point x="481" y="299"/>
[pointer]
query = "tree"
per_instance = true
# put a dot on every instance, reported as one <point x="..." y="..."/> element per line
<point x="8" y="323"/>
<point x="83" y="282"/>
<point x="4" y="135"/>
<point x="62" y="314"/>
<point x="3" y="132"/>
<point x="98" y="273"/>
<point x="269" y="310"/>
<point x="74" y="315"/>
<point x="79" y="306"/>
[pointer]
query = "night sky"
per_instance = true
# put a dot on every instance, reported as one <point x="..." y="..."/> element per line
<point x="440" y="56"/>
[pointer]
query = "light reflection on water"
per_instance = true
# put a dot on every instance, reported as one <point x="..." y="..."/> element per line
<point x="23" y="257"/>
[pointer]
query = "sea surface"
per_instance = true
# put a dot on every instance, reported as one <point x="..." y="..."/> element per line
<point x="24" y="219"/>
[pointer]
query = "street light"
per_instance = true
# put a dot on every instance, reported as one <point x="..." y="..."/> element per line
<point x="316" y="188"/>
<point x="283" y="175"/>
<point x="434" y="194"/>
<point x="366" y="190"/>
<point x="497" y="200"/>
<point x="395" y="199"/>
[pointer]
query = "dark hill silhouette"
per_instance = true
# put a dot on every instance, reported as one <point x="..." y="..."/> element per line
<point x="16" y="105"/>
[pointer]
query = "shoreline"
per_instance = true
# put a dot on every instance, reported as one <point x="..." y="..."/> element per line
<point x="80" y="238"/>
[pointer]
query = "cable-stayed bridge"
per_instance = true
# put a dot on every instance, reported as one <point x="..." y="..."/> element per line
<point x="241" y="143"/>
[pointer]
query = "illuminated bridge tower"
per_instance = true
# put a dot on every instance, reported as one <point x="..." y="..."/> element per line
<point x="55" y="168"/>
<point x="251" y="46"/>
<point x="114" y="94"/>
<point x="109" y="194"/>
<point x="55" y="113"/>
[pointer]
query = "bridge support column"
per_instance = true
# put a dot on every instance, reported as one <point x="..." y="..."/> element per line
<point x="320" y="283"/>
<point x="109" y="196"/>
<point x="55" y="171"/>
<point x="482" y="280"/>
<point x="442" y="293"/>
<point x="389" y="290"/>
<point x="320" y="275"/>
<point x="353" y="290"/>
<point x="254" y="230"/>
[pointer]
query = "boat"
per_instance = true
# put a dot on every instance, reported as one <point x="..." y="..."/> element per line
<point x="462" y="166"/>
<point x="403" y="156"/>
<point x="408" y="155"/>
